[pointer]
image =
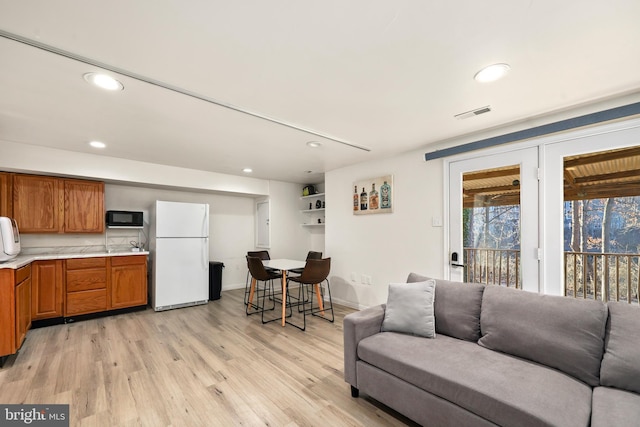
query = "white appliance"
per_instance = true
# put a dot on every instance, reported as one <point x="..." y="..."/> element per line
<point x="9" y="239"/>
<point x="179" y="248"/>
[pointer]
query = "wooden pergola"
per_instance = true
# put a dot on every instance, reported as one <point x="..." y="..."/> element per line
<point x="614" y="173"/>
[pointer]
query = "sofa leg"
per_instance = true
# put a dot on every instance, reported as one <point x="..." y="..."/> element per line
<point x="354" y="392"/>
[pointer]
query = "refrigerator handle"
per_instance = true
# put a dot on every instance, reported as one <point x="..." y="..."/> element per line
<point x="205" y="252"/>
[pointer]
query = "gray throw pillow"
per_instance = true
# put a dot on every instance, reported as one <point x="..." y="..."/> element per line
<point x="620" y="366"/>
<point x="410" y="309"/>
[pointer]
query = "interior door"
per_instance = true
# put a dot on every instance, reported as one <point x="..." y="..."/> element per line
<point x="263" y="233"/>
<point x="493" y="219"/>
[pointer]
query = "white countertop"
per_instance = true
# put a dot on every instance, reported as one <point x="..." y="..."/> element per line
<point x="22" y="260"/>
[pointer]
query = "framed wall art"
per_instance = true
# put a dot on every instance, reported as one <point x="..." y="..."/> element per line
<point x="373" y="196"/>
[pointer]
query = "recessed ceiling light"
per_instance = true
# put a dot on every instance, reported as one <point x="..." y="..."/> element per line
<point x="314" y="144"/>
<point x="103" y="81"/>
<point x="492" y="73"/>
<point x="247" y="170"/>
<point x="97" y="144"/>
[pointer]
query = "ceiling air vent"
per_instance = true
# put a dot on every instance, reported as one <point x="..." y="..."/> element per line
<point x="473" y="113"/>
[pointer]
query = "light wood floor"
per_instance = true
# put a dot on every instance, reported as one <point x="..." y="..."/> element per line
<point x="200" y="366"/>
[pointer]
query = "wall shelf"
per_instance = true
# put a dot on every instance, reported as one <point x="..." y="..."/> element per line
<point x="312" y="196"/>
<point x="310" y="214"/>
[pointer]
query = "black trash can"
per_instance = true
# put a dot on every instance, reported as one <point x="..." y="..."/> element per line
<point x="215" y="279"/>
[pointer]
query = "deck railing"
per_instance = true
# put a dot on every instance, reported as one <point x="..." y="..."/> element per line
<point x="605" y="277"/>
<point x="588" y="275"/>
<point x="493" y="266"/>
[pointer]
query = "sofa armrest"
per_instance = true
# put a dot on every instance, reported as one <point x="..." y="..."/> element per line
<point x="358" y="326"/>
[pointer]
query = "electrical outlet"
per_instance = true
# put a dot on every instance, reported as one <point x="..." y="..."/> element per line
<point x="354" y="277"/>
<point x="366" y="280"/>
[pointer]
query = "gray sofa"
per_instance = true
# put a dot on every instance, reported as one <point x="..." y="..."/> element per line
<point x="502" y="357"/>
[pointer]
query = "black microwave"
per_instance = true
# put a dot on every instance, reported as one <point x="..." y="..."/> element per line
<point x="131" y="219"/>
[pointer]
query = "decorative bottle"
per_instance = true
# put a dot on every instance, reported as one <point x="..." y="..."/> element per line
<point x="385" y="196"/>
<point x="373" y="197"/>
<point x="356" y="198"/>
<point x="363" y="200"/>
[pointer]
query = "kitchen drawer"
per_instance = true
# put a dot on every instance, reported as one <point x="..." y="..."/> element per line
<point x="79" y="263"/>
<point x="86" y="302"/>
<point x="128" y="260"/>
<point x="22" y="273"/>
<point x="87" y="279"/>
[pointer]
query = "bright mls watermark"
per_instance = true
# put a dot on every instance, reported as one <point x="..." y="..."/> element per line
<point x="34" y="415"/>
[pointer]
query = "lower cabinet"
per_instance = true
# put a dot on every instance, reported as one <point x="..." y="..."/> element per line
<point x="100" y="284"/>
<point x="23" y="310"/>
<point x="128" y="281"/>
<point x="86" y="286"/>
<point x="46" y="289"/>
<point x="15" y="308"/>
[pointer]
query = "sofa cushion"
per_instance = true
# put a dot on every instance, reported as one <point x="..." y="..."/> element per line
<point x="410" y="309"/>
<point x="497" y="387"/>
<point x="561" y="332"/>
<point x="456" y="307"/>
<point x="621" y="362"/>
<point x="613" y="407"/>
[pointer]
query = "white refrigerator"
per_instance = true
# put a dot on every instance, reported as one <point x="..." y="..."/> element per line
<point x="179" y="248"/>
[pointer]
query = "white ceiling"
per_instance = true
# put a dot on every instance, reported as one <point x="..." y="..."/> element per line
<point x="384" y="75"/>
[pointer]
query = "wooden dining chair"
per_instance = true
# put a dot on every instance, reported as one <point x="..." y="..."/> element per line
<point x="260" y="275"/>
<point x="314" y="274"/>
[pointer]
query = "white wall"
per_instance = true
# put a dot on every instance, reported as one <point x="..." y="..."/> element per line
<point x="49" y="161"/>
<point x="231" y="200"/>
<point x="231" y="226"/>
<point x="386" y="247"/>
<point x="288" y="238"/>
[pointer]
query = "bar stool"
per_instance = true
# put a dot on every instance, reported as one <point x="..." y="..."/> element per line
<point x="259" y="274"/>
<point x="314" y="274"/>
<point x="263" y="255"/>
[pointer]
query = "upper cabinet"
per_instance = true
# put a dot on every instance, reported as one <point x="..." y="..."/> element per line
<point x="6" y="194"/>
<point x="37" y="204"/>
<point x="44" y="204"/>
<point x="83" y="206"/>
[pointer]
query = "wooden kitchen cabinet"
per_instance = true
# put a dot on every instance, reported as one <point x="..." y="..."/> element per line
<point x="7" y="312"/>
<point x="86" y="282"/>
<point x="83" y="206"/>
<point x="6" y="194"/>
<point x="128" y="281"/>
<point x="46" y="289"/>
<point x="15" y="308"/>
<point x="23" y="310"/>
<point x="45" y="204"/>
<point x="37" y="203"/>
